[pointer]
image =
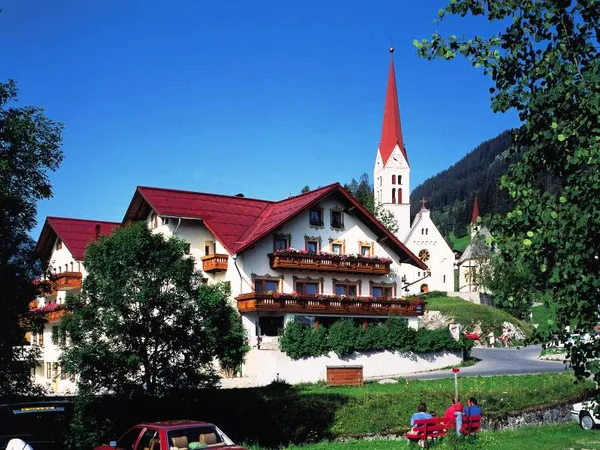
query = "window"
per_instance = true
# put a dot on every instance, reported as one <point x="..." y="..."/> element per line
<point x="281" y="242"/>
<point x="154" y="220"/>
<point x="393" y="195"/>
<point x="40" y="338"/>
<point x="422" y="231"/>
<point x="210" y="248"/>
<point x="399" y="179"/>
<point x="336" y="249"/>
<point x="345" y="289"/>
<point x="150" y="440"/>
<point x="63" y="373"/>
<point x="393" y="179"/>
<point x="382" y="291"/>
<point x="71" y="266"/>
<point x="312" y="244"/>
<point x="316" y="217"/>
<point x="444" y="278"/>
<point x="49" y="371"/>
<point x="128" y="441"/>
<point x="165" y="221"/>
<point x="266" y="285"/>
<point x="307" y="286"/>
<point x="337" y="219"/>
<point x="366" y="248"/>
<point x="399" y="195"/>
<point x="58" y="244"/>
<point x="270" y="326"/>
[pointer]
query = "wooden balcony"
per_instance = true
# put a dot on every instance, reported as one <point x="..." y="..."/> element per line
<point x="328" y="304"/>
<point x="214" y="263"/>
<point x="66" y="281"/>
<point x="329" y="263"/>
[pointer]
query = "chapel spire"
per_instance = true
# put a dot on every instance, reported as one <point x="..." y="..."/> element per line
<point x="391" y="134"/>
<point x="475" y="212"/>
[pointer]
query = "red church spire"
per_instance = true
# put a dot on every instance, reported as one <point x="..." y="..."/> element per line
<point x="475" y="212"/>
<point x="392" y="129"/>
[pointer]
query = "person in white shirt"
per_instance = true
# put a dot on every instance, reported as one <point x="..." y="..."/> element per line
<point x="18" y="444"/>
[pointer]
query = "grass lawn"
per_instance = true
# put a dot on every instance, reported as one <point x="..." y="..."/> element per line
<point x="459" y="243"/>
<point x="548" y="437"/>
<point x="377" y="408"/>
<point x="468" y="314"/>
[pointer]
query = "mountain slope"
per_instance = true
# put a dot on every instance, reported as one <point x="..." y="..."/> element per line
<point x="450" y="193"/>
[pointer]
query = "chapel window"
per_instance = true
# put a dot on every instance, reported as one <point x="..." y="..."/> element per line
<point x="393" y="179"/>
<point x="393" y="195"/>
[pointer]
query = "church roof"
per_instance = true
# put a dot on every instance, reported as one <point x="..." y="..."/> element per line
<point x="75" y="234"/>
<point x="239" y="222"/>
<point x="391" y="134"/>
<point x="475" y="211"/>
<point x="468" y="253"/>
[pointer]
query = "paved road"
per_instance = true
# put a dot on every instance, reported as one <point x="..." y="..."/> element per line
<point x="501" y="361"/>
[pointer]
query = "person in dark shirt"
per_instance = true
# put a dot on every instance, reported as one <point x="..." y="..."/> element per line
<point x="472" y="409"/>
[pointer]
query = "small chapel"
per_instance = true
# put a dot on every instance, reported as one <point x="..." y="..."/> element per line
<point x="392" y="191"/>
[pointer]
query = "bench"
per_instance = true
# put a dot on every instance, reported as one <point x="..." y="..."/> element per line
<point x="437" y="427"/>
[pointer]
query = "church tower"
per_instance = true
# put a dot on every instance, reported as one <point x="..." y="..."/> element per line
<point x="391" y="177"/>
<point x="474" y="217"/>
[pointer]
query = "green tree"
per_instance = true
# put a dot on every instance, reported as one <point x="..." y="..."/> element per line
<point x="29" y="148"/>
<point x="545" y="64"/>
<point x="143" y="321"/>
<point x="362" y="190"/>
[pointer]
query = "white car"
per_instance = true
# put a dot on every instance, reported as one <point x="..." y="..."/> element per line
<point x="584" y="414"/>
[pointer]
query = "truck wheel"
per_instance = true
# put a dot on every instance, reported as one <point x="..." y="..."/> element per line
<point x="586" y="421"/>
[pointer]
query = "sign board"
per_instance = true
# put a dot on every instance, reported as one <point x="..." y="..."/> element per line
<point x="455" y="370"/>
<point x="455" y="330"/>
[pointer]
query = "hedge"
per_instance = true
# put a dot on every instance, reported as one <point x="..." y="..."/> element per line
<point x="345" y="337"/>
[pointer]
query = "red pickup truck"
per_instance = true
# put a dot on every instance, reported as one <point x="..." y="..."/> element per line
<point x="172" y="435"/>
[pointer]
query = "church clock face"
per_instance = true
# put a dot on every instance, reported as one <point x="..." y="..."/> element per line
<point x="424" y="255"/>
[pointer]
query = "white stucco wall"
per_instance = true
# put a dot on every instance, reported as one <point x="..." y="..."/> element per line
<point x="382" y="176"/>
<point x="424" y="235"/>
<point x="267" y="365"/>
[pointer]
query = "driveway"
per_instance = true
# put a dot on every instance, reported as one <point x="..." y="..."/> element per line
<point x="500" y="361"/>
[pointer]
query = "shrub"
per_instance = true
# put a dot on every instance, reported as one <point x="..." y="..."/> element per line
<point x="435" y="341"/>
<point x="343" y="337"/>
<point x="399" y="336"/>
<point x="373" y="338"/>
<point x="293" y="340"/>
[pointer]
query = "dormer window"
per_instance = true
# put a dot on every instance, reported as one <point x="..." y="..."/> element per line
<point x="337" y="219"/>
<point x="316" y="217"/>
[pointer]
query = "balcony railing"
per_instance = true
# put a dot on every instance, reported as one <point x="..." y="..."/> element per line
<point x="51" y="312"/>
<point x="215" y="262"/>
<point x="328" y="304"/>
<point x="68" y="280"/>
<point x="330" y="263"/>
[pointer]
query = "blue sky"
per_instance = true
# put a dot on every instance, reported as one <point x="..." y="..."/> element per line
<point x="228" y="96"/>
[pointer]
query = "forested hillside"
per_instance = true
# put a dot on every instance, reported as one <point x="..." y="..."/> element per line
<point x="450" y="193"/>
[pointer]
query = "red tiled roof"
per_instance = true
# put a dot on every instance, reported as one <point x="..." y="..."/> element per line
<point x="239" y="222"/>
<point x="391" y="134"/>
<point x="75" y="234"/>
